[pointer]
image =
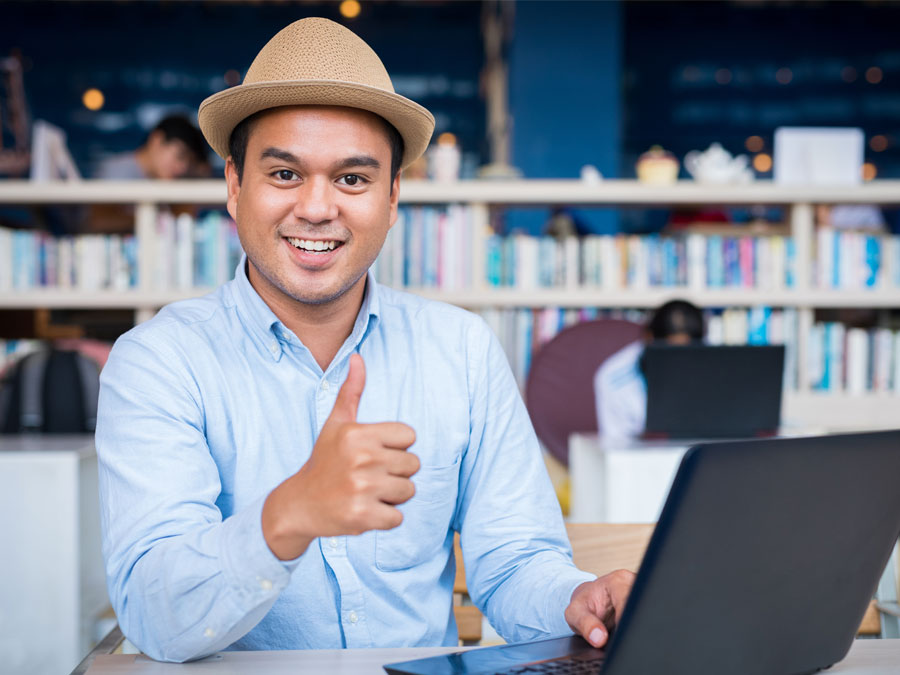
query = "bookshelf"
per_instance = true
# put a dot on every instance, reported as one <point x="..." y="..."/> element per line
<point x="515" y="192"/>
<point x="805" y="406"/>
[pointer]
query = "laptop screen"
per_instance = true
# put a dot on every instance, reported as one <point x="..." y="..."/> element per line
<point x="703" y="391"/>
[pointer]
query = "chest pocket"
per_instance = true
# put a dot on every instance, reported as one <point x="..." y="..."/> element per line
<point x="426" y="520"/>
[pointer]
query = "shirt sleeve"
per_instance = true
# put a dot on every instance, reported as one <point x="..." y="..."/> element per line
<point x="184" y="583"/>
<point x="599" y="403"/>
<point x="611" y="412"/>
<point x="519" y="568"/>
<point x="620" y="394"/>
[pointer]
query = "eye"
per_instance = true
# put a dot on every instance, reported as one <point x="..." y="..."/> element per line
<point x="353" y="180"/>
<point x="285" y="174"/>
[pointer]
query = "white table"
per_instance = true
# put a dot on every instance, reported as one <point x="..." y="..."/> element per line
<point x="626" y="480"/>
<point x="52" y="583"/>
<point x="620" y="481"/>
<point x="866" y="657"/>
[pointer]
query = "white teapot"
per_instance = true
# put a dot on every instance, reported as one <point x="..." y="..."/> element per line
<point x="717" y="166"/>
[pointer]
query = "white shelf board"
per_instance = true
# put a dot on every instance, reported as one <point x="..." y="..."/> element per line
<point x="488" y="297"/>
<point x="113" y="192"/>
<point x="524" y="192"/>
<point x="631" y="192"/>
<point x="839" y="411"/>
<point x="595" y="297"/>
<point x="52" y="298"/>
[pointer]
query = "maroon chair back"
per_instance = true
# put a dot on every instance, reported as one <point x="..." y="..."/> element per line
<point x="559" y="392"/>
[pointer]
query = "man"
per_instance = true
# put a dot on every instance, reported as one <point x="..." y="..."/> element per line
<point x="173" y="149"/>
<point x="284" y="462"/>
<point x="620" y="392"/>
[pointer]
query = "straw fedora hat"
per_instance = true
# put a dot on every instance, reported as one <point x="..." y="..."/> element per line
<point x="316" y="62"/>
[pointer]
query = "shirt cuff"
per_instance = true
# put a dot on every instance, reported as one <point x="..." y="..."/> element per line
<point x="559" y="597"/>
<point x="250" y="567"/>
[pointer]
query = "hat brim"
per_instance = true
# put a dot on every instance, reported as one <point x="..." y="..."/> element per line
<point x="221" y="113"/>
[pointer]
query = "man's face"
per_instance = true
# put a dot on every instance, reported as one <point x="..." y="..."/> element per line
<point x="315" y="201"/>
<point x="169" y="158"/>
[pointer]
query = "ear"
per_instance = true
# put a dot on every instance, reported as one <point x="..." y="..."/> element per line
<point x="155" y="139"/>
<point x="234" y="188"/>
<point x="395" y="198"/>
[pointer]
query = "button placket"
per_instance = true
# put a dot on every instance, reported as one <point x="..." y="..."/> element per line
<point x="336" y="552"/>
<point x="334" y="547"/>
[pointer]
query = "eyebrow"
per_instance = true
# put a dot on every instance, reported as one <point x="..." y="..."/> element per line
<point x="277" y="153"/>
<point x="346" y="163"/>
<point x="359" y="160"/>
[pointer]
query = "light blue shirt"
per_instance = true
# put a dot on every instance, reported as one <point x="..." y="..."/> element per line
<point x="620" y="393"/>
<point x="207" y="407"/>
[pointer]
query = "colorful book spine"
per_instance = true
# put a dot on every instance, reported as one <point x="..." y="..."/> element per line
<point x="31" y="259"/>
<point x="838" y="359"/>
<point x="856" y="260"/>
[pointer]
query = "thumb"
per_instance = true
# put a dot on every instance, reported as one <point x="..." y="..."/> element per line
<point x="587" y="610"/>
<point x="347" y="403"/>
<point x="596" y="634"/>
<point x="589" y="626"/>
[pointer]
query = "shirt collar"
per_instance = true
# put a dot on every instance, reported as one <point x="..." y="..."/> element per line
<point x="270" y="334"/>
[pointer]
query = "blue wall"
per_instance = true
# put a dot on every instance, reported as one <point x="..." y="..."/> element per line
<point x="151" y="58"/>
<point x="708" y="71"/>
<point x="565" y="93"/>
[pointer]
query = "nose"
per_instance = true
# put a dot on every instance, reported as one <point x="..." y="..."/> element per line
<point x="316" y="202"/>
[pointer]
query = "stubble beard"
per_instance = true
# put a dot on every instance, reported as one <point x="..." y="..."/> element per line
<point x="278" y="282"/>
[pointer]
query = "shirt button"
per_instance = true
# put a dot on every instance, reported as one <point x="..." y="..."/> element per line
<point x="209" y="632"/>
<point x="266" y="585"/>
<point x="333" y="542"/>
<point x="353" y="617"/>
<point x="273" y="346"/>
<point x="325" y="385"/>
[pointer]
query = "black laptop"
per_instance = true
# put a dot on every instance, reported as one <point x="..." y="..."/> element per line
<point x="702" y="391"/>
<point x="763" y="562"/>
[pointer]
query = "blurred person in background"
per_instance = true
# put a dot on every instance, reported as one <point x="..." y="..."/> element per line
<point x="851" y="216"/>
<point x="620" y="391"/>
<point x="175" y="148"/>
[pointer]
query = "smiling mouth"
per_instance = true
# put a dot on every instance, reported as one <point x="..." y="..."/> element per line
<point x="315" y="246"/>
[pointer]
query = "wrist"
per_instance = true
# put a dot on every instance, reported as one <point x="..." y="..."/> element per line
<point x="280" y="528"/>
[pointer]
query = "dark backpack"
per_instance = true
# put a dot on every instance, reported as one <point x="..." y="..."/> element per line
<point x="51" y="392"/>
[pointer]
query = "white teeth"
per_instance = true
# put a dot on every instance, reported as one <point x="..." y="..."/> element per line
<point x="313" y="245"/>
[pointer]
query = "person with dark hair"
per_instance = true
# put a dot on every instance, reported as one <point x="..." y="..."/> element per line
<point x="284" y="462"/>
<point x="620" y="392"/>
<point x="175" y="148"/>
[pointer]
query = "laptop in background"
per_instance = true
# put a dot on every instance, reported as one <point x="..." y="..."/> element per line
<point x="763" y="562"/>
<point x="702" y="391"/>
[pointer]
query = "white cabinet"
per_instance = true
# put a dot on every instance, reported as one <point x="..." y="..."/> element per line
<point x="623" y="481"/>
<point x="52" y="583"/>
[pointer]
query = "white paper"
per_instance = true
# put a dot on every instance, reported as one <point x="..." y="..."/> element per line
<point x="819" y="155"/>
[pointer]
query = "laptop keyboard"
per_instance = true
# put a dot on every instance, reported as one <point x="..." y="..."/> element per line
<point x="560" y="667"/>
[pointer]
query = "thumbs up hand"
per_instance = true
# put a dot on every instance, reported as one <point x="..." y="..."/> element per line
<point x="352" y="482"/>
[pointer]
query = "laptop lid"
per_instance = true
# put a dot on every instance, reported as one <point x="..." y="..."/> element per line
<point x="763" y="562"/>
<point x="765" y="558"/>
<point x="703" y="391"/>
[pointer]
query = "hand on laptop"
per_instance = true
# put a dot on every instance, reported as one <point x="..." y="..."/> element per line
<point x="596" y="605"/>
<point x="351" y="483"/>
